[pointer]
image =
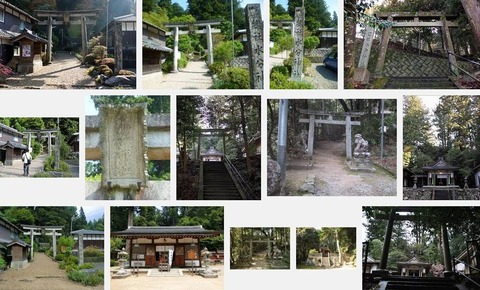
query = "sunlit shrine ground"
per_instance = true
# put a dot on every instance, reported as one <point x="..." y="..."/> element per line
<point x="333" y="177"/>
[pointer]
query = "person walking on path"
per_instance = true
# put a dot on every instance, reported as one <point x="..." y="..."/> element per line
<point x="27" y="160"/>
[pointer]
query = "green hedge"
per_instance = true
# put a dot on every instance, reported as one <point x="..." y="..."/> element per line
<point x="233" y="78"/>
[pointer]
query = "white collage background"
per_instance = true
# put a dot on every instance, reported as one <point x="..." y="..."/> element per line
<point x="315" y="211"/>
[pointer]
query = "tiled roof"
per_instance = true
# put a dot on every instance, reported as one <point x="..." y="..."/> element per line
<point x="155" y="44"/>
<point x="177" y="231"/>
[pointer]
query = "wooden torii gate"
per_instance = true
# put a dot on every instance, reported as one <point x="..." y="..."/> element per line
<point x="78" y="17"/>
<point x="348" y="123"/>
<point x="191" y="28"/>
<point x="40" y="230"/>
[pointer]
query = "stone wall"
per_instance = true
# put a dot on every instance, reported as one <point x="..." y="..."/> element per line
<point x="240" y="62"/>
<point x="317" y="55"/>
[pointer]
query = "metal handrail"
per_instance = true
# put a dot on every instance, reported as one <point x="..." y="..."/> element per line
<point x="463" y="274"/>
<point x="243" y="184"/>
<point x="450" y="64"/>
<point x="466" y="264"/>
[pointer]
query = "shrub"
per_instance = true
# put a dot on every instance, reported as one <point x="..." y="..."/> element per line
<point x="99" y="51"/>
<point x="89" y="59"/>
<point x="277" y="34"/>
<point x="280" y="81"/>
<point x="222" y="52"/>
<point x="59" y="257"/>
<point x="105" y="70"/>
<point x="110" y="62"/>
<point x="233" y="78"/>
<point x="216" y="67"/>
<point x="87" y="279"/>
<point x="92" y="252"/>
<point x="311" y="42"/>
<point x="280" y="69"/>
<point x="3" y="264"/>
<point x="306" y="63"/>
<point x="5" y="71"/>
<point x="85" y="266"/>
<point x="92" y="71"/>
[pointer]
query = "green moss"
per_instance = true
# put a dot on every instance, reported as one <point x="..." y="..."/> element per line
<point x="379" y="83"/>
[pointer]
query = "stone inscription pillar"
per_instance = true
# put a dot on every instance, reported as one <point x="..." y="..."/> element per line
<point x="383" y="49"/>
<point x="117" y="46"/>
<point x="297" y="62"/>
<point x="311" y="135"/>
<point x="175" y="51"/>
<point x="80" y="249"/>
<point x="254" y="22"/>
<point x="84" y="36"/>
<point x="209" y="43"/>
<point x="361" y="73"/>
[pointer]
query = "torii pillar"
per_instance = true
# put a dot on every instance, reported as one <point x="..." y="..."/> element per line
<point x="48" y="54"/>
<point x="209" y="44"/>
<point x="32" y="233"/>
<point x="175" y="50"/>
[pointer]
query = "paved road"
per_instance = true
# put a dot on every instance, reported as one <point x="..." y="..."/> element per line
<point x="16" y="170"/>
<point x="194" y="76"/>
<point x="321" y="77"/>
<point x="42" y="273"/>
<point x="65" y="72"/>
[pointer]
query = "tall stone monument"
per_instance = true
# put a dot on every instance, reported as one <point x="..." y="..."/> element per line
<point x="124" y="150"/>
<point x="254" y="22"/>
<point x="297" y="62"/>
<point x="361" y="74"/>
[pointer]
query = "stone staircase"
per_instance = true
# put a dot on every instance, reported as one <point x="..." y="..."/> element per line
<point x="420" y="83"/>
<point x="423" y="283"/>
<point x="217" y="182"/>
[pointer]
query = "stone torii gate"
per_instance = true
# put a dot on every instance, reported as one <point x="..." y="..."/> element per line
<point x="40" y="230"/>
<point x="283" y="24"/>
<point x="192" y="28"/>
<point x="48" y="133"/>
<point x="211" y="133"/>
<point x="348" y="123"/>
<point x="78" y="17"/>
<point x="404" y="20"/>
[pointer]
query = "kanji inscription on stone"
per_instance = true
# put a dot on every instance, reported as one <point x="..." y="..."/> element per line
<point x="254" y="22"/>
<point x="367" y="46"/>
<point x="123" y="138"/>
<point x="297" y="62"/>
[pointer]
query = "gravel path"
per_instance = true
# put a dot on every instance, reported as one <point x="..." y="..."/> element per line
<point x="334" y="178"/>
<point x="194" y="76"/>
<point x="16" y="170"/>
<point x="185" y="282"/>
<point x="65" y="72"/>
<point x="321" y="77"/>
<point x="42" y="273"/>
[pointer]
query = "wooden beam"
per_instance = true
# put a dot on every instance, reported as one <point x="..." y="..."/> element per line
<point x="61" y="22"/>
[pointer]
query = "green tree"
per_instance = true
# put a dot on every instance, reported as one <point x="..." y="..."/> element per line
<point x="307" y="239"/>
<point x="224" y="52"/>
<point x="316" y="13"/>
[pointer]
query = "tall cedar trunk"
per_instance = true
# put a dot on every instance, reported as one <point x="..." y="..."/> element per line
<point x="350" y="34"/>
<point x="472" y="9"/>
<point x="338" y="247"/>
<point x="245" y="138"/>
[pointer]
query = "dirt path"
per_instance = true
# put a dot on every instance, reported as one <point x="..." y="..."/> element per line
<point x="42" y="273"/>
<point x="65" y="72"/>
<point x="16" y="170"/>
<point x="194" y="76"/>
<point x="334" y="178"/>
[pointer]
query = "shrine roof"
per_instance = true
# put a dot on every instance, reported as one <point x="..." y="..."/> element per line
<point x="29" y="35"/>
<point x="441" y="164"/>
<point x="12" y="144"/>
<point x="126" y="18"/>
<point x="212" y="152"/>
<point x="166" y="231"/>
<point x="413" y="261"/>
<point x="19" y="242"/>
